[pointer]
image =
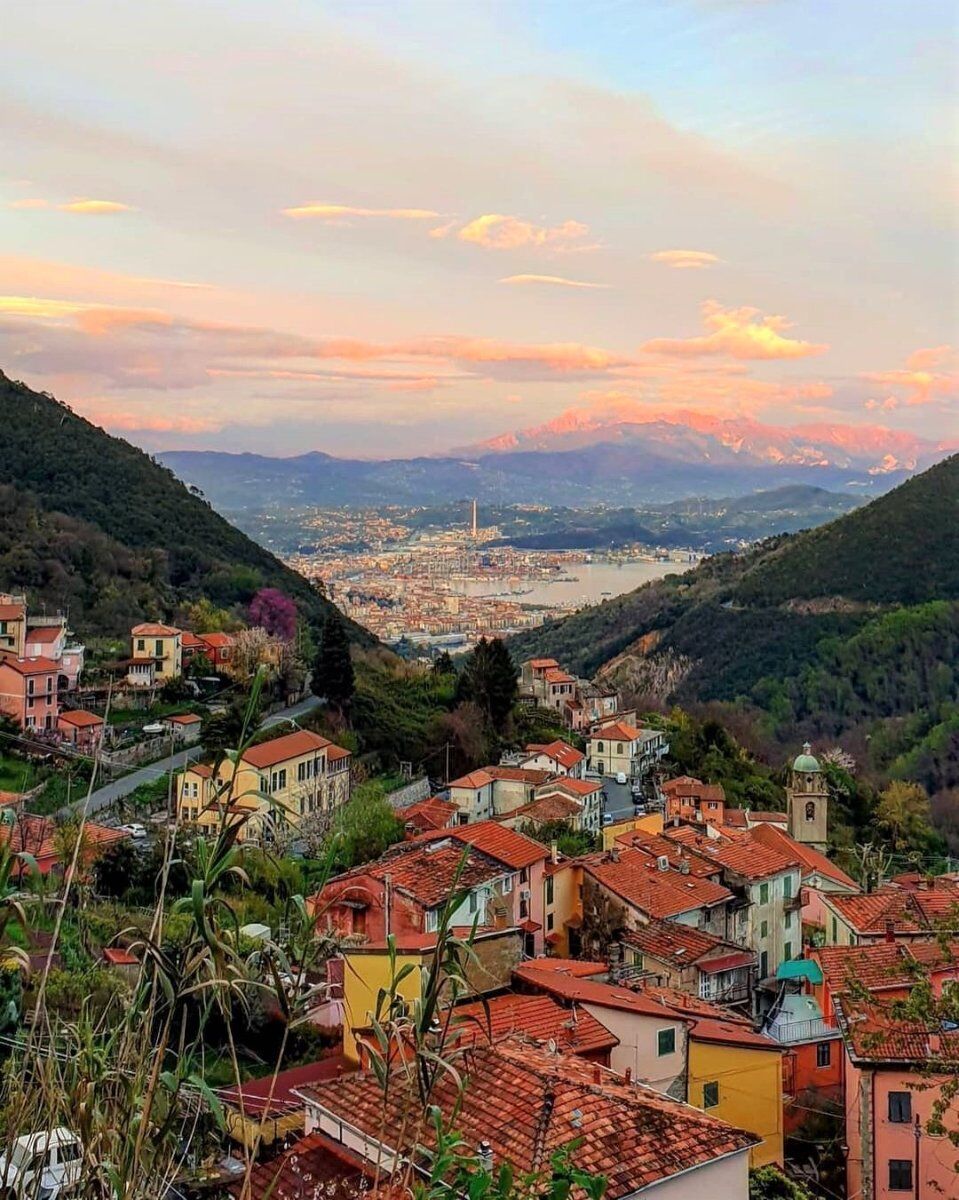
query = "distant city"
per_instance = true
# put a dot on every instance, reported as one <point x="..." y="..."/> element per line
<point x="450" y="585"/>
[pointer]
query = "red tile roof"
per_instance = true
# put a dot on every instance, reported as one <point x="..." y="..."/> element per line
<point x="152" y="629"/>
<point x="811" y="861"/>
<point x="539" y="1018"/>
<point x="290" y="745"/>
<point x="218" y="641"/>
<point x="427" y="815"/>
<point x="543" y="662"/>
<point x="190" y="641"/>
<point x="873" y="1034"/>
<point x="562" y="752"/>
<point x="619" y="731"/>
<point x="507" y="846"/>
<point x="558" y="675"/>
<point x="36" y="665"/>
<point x="740" y="853"/>
<point x="184" y="719"/>
<point x="12" y="612"/>
<point x="314" y="1166"/>
<point x="37" y="836"/>
<point x="576" y="968"/>
<point x="427" y="873"/>
<point x="885" y="965"/>
<point x="873" y="914"/>
<point x="771" y="818"/>
<point x="685" y="787"/>
<point x="636" y="878"/>
<point x="735" y="818"/>
<point x="519" y="774"/>
<point x="475" y="780"/>
<point x="592" y="991"/>
<point x="578" y="787"/>
<point x="81" y="718"/>
<point x="671" y="942"/>
<point x="45" y="635"/>
<point x="552" y="807"/>
<point x="528" y="1103"/>
<point x="656" y="845"/>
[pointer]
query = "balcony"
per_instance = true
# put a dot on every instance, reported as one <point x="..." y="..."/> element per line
<point x="813" y="1029"/>
<point x="793" y="903"/>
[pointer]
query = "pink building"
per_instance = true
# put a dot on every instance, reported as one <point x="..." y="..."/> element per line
<point x="29" y="691"/>
<point x="81" y="729"/>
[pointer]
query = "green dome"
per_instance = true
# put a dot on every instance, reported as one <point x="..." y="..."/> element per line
<point x="806" y="762"/>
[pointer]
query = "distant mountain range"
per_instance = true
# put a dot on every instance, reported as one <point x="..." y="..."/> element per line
<point x="581" y="458"/>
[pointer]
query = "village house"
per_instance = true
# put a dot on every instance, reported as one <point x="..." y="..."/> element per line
<point x="80" y="729"/>
<point x="161" y="643"/>
<point x="38" y="837"/>
<point x="692" y="801"/>
<point x="691" y="960"/>
<point x="819" y="875"/>
<point x="218" y="649"/>
<point x="619" y="748"/>
<point x="494" y="791"/>
<point x="13" y="624"/>
<point x="427" y="816"/>
<point x="767" y="886"/>
<point x="641" y="1140"/>
<point x="52" y="640"/>
<point x="29" y="692"/>
<point x="900" y="913"/>
<point x="558" y="758"/>
<point x="302" y="773"/>
<point x="185" y="728"/>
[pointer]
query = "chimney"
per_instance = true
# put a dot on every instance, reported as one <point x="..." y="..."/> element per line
<point x="684" y="865"/>
<point x="597" y="1074"/>
<point x="890" y="931"/>
<point x="553" y="853"/>
<point x="629" y="1076"/>
<point x="484" y="1153"/>
<point x="614" y="854"/>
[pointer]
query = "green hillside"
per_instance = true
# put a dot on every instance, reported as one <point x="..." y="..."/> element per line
<point x="91" y="523"/>
<point x="847" y="631"/>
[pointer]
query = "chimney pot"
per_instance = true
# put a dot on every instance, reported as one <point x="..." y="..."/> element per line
<point x="890" y="931"/>
<point x="629" y="1074"/>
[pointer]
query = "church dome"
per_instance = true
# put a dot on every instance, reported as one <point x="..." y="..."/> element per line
<point x="806" y="762"/>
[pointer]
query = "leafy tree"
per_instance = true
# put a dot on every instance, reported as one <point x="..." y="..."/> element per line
<point x="769" y="1183"/>
<point x="223" y="730"/>
<point x="569" y="841"/>
<point x="604" y="920"/>
<point x="489" y="680"/>
<point x="115" y="871"/>
<point x="443" y="664"/>
<point x="333" y="676"/>
<point x="275" y="612"/>
<point x="903" y="814"/>
<point x="366" y="826"/>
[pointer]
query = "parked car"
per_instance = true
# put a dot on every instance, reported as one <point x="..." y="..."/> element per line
<point x="134" y="829"/>
<point x="47" y="1164"/>
<point x="608" y="818"/>
<point x="620" y="776"/>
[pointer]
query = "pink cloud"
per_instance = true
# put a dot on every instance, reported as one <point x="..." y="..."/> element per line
<point x="740" y="333"/>
<point x="495" y="231"/>
<point x="930" y="375"/>
<point x="685" y="260"/>
<point x="551" y="281"/>
<point x="87" y="207"/>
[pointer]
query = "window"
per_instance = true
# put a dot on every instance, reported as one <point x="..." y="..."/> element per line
<point x="900" y="1108"/>
<point x="599" y="748"/>
<point x="619" y="747"/>
<point x="835" y="932"/>
<point x="788" y="951"/>
<point x="432" y="920"/>
<point x="549" y="922"/>
<point x="507" y="884"/>
<point x="764" y="929"/>
<point x="764" y="964"/>
<point x="711" y="1094"/>
<point x="788" y="887"/>
<point x="141" y="644"/>
<point x="666" y="1042"/>
<point x="278" y="780"/>
<point x="900" y="1174"/>
<point x="811" y="810"/>
<point x="789" y="920"/>
<point x="473" y="903"/>
<point x="158" y="648"/>
<point x="824" y="1054"/>
<point x="637" y="958"/>
<point x="764" y="893"/>
<point x="549" y="889"/>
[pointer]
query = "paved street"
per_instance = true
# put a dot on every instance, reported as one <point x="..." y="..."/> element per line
<point x="105" y="796"/>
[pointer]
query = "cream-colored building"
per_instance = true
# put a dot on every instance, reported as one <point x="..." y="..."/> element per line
<point x="162" y="643"/>
<point x="13" y="624"/>
<point x="280" y="782"/>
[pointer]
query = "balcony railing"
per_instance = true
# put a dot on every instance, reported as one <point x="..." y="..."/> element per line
<point x="788" y="1032"/>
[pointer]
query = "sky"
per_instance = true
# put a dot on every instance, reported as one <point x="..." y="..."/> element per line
<point x="399" y="228"/>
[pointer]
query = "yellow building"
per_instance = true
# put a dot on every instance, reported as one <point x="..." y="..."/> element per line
<point x="652" y="823"/>
<point x="13" y="624"/>
<point x="163" y="644"/>
<point x="368" y="971"/>
<point x="736" y="1075"/>
<point x="282" y="781"/>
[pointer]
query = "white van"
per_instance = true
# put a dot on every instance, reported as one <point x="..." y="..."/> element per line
<point x="45" y="1165"/>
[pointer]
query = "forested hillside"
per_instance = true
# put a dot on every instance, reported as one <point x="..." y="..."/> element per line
<point x="847" y="631"/>
<point x="90" y="522"/>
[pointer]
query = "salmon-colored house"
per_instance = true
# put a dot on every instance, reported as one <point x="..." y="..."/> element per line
<point x="29" y="692"/>
<point x="81" y="729"/>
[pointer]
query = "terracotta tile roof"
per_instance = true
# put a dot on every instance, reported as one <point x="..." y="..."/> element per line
<point x="576" y="968"/>
<point x="337" y="753"/>
<point x="558" y="675"/>
<point x="428" y="873"/>
<point x="120" y="958"/>
<point x="872" y="914"/>
<point x="37" y="836"/>
<point x="218" y="641"/>
<point x="528" y="1103"/>
<point x="735" y="818"/>
<point x="673" y="943"/>
<point x="637" y="879"/>
<point x="81" y="718"/>
<point x="539" y="1018"/>
<point x="618" y="997"/>
<point x="44" y="635"/>
<point x="151" y="629"/>
<point x="12" y="612"/>
<point x="873" y="1034"/>
<point x="184" y="719"/>
<point x="619" y="731"/>
<point x="687" y="788"/>
<point x="190" y="641"/>
<point x="474" y="780"/>
<point x="431" y="814"/>
<point x="552" y="807"/>
<point x="655" y="845"/>
<point x="518" y="774"/>
<point x="771" y="818"/>
<point x="542" y="663"/>
<point x="811" y="861"/>
<point x="566" y="755"/>
<point x="507" y="846"/>
<point x="37" y="665"/>
<point x="874" y="965"/>
<point x="578" y="787"/>
<point x="290" y="745"/>
<point x="740" y="853"/>
<point x="314" y="1166"/>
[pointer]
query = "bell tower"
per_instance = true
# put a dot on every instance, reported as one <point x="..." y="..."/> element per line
<point x="807" y="801"/>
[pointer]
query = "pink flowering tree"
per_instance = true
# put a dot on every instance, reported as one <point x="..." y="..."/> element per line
<point x="275" y="612"/>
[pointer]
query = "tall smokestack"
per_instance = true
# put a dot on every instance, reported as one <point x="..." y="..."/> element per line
<point x="475" y="520"/>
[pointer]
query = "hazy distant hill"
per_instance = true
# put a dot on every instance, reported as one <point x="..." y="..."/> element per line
<point x="89" y="522"/>
<point x="848" y="627"/>
<point x="643" y="470"/>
